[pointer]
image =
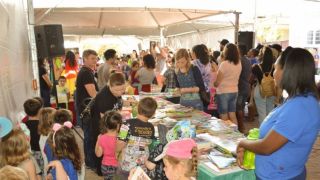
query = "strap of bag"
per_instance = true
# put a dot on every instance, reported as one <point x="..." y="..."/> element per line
<point x="78" y="133"/>
<point x="88" y="106"/>
<point x="262" y="70"/>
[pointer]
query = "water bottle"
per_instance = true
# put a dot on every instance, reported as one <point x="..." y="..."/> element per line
<point x="249" y="157"/>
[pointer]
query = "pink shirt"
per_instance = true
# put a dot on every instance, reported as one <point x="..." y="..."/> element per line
<point x="230" y="79"/>
<point x="108" y="145"/>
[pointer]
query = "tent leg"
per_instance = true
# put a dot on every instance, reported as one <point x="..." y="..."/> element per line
<point x="162" y="40"/>
<point x="236" y="27"/>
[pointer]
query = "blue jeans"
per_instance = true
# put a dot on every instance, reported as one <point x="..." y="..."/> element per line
<point x="226" y="102"/>
<point x="88" y="146"/>
<point x="264" y="105"/>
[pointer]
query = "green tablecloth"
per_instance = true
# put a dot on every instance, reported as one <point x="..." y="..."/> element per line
<point x="205" y="173"/>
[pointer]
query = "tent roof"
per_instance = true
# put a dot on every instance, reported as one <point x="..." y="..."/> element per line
<point x="117" y="19"/>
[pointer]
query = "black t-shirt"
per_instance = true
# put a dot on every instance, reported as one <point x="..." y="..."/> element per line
<point x="137" y="128"/>
<point x="85" y="76"/>
<point x="34" y="136"/>
<point x="256" y="71"/>
<point x="43" y="84"/>
<point x="105" y="101"/>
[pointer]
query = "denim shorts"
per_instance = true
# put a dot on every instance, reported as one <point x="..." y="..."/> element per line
<point x="227" y="102"/>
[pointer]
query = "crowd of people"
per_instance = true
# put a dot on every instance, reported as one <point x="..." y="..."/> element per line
<point x="49" y="143"/>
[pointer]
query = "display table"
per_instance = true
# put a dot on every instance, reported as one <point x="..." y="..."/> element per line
<point x="212" y="130"/>
<point x="206" y="173"/>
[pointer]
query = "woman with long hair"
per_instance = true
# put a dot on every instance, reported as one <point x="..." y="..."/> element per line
<point x="71" y="71"/>
<point x="288" y="133"/>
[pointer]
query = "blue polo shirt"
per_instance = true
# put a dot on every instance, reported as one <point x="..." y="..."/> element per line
<point x="298" y="120"/>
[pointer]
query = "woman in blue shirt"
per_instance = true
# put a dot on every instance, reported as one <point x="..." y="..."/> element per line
<point x="288" y="133"/>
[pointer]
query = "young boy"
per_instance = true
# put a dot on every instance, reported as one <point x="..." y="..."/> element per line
<point x="63" y="93"/>
<point x="135" y="136"/>
<point x="32" y="108"/>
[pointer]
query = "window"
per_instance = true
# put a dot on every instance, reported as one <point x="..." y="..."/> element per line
<point x="310" y="37"/>
<point x="317" y="41"/>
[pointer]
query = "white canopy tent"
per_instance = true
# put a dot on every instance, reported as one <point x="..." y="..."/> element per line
<point x="140" y="17"/>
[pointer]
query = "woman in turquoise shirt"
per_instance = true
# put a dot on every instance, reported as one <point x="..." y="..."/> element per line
<point x="288" y="133"/>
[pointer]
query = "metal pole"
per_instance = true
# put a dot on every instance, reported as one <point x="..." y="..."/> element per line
<point x="32" y="43"/>
<point x="236" y="27"/>
<point x="162" y="43"/>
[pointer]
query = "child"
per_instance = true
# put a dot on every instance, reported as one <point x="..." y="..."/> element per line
<point x="63" y="93"/>
<point x="106" y="143"/>
<point x="14" y="149"/>
<point x="134" y="81"/>
<point x="13" y="173"/>
<point x="180" y="156"/>
<point x="62" y="116"/>
<point x="135" y="136"/>
<point x="45" y="126"/>
<point x="66" y="150"/>
<point x="25" y="119"/>
<point x="32" y="108"/>
<point x="212" y="107"/>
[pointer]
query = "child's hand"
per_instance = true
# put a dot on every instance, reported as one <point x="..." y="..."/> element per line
<point x="131" y="173"/>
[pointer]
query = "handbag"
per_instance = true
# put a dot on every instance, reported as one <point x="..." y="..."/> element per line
<point x="86" y="115"/>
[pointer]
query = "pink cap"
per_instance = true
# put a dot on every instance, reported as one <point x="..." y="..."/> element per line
<point x="178" y="148"/>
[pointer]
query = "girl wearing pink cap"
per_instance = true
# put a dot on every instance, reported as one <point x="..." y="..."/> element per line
<point x="180" y="156"/>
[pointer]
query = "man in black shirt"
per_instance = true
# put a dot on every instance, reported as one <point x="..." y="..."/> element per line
<point x="86" y="88"/>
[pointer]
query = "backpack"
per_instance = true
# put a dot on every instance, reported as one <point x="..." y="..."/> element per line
<point x="267" y="85"/>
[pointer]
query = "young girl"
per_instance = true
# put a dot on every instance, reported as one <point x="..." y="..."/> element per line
<point x="44" y="128"/>
<point x="14" y="149"/>
<point x="180" y="156"/>
<point x="106" y="143"/>
<point x="189" y="80"/>
<point x="134" y="81"/>
<point x="146" y="74"/>
<point x="66" y="150"/>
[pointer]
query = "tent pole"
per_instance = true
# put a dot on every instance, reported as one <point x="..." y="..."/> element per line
<point x="236" y="27"/>
<point x="162" y="43"/>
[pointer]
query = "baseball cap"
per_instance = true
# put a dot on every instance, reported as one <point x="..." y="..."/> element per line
<point x="5" y="126"/>
<point x="224" y="42"/>
<point x="178" y="148"/>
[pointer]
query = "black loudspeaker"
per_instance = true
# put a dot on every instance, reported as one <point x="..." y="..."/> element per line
<point x="49" y="40"/>
<point x="246" y="38"/>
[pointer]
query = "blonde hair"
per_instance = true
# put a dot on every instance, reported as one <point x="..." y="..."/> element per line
<point x="13" y="173"/>
<point x="191" y="164"/>
<point x="45" y="120"/>
<point x="14" y="148"/>
<point x="183" y="53"/>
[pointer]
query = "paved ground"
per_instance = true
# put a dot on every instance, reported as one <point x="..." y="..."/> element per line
<point x="313" y="170"/>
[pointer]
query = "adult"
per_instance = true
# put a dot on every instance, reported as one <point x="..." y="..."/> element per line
<point x="222" y="44"/>
<point x="227" y="83"/>
<point x="243" y="86"/>
<point x="71" y="71"/>
<point x="45" y="82"/>
<point x="161" y="65"/>
<point x="108" y="98"/>
<point x="200" y="56"/>
<point x="252" y="55"/>
<point x="189" y="80"/>
<point x="104" y="70"/>
<point x="289" y="132"/>
<point x="86" y="88"/>
<point x="264" y="104"/>
<point x="146" y="74"/>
